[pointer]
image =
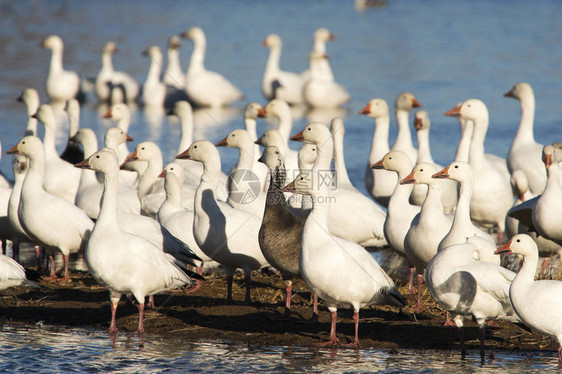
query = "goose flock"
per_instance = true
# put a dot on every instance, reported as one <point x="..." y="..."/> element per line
<point x="145" y="226"/>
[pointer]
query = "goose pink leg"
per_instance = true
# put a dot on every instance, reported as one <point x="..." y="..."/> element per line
<point x="355" y="343"/>
<point x="112" y="326"/>
<point x="333" y="341"/>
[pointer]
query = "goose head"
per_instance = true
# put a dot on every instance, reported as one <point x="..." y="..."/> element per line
<point x="272" y="40"/>
<point x="30" y="98"/>
<point x="174" y="42"/>
<point x="181" y="108"/>
<point x="471" y="109"/>
<point x="28" y="146"/>
<point x="307" y="156"/>
<point x="195" y="33"/>
<point x="421" y="174"/>
<point x="201" y="150"/>
<point x="459" y="171"/>
<point x="521" y="244"/>
<point x="315" y="133"/>
<point x="238" y="138"/>
<point x="337" y="128"/>
<point x="85" y="136"/>
<point x="323" y="34"/>
<point x="375" y="108"/>
<point x="396" y="161"/>
<point x="19" y="165"/>
<point x="109" y="48"/>
<point x="406" y="101"/>
<point x="105" y="161"/>
<point x="252" y="111"/>
<point x="272" y="157"/>
<point x="154" y="53"/>
<point x="303" y="184"/>
<point x="173" y="168"/>
<point x="421" y="122"/>
<point x="115" y="136"/>
<point x="144" y="151"/>
<point x="53" y="42"/>
<point x="118" y="112"/>
<point x="276" y="108"/>
<point x="520" y="90"/>
<point x="271" y="138"/>
<point x="46" y="116"/>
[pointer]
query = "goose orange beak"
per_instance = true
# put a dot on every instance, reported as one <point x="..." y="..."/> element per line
<point x="298" y="137"/>
<point x="222" y="143"/>
<point x="289" y="188"/>
<point x="259" y="141"/>
<point x="84" y="164"/>
<point x="442" y="173"/>
<point x="509" y="94"/>
<point x="262" y="113"/>
<point x="409" y="179"/>
<point x="416" y="104"/>
<point x="418" y="123"/>
<point x="454" y="112"/>
<point x="132" y="157"/>
<point x="378" y="165"/>
<point x="184" y="155"/>
<point x="129" y="138"/>
<point x="107" y="114"/>
<point x="504" y="249"/>
<point x="13" y="150"/>
<point x="547" y="159"/>
<point x="366" y="110"/>
<point x="162" y="174"/>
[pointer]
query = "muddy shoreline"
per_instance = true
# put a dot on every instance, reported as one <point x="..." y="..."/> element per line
<point x="203" y="314"/>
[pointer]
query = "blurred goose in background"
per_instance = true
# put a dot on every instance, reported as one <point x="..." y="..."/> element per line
<point x="61" y="85"/>
<point x="379" y="183"/>
<point x="225" y="234"/>
<point x="492" y="196"/>
<point x="206" y="88"/>
<point x="537" y="303"/>
<point x="321" y="36"/>
<point x="173" y="75"/>
<point x="30" y="98"/>
<point x="324" y="254"/>
<point x="277" y="83"/>
<point x="107" y="79"/>
<point x="525" y="153"/>
<point x="403" y="105"/>
<point x="153" y="90"/>
<point x="66" y="231"/>
<point x="320" y="92"/>
<point x="72" y="152"/>
<point x="250" y="122"/>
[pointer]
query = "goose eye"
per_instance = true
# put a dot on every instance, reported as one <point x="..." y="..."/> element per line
<point x="456" y="166"/>
<point x="22" y="142"/>
<point x="421" y="169"/>
<point x="194" y="146"/>
<point x="142" y="148"/>
<point x="309" y="129"/>
<point x="390" y="158"/>
<point x="468" y="105"/>
<point x="233" y="135"/>
<point x="276" y="152"/>
<point x="171" y="168"/>
<point x="313" y="149"/>
<point x="518" y="240"/>
<point x="98" y="156"/>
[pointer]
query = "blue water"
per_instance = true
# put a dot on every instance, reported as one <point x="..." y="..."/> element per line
<point x="443" y="52"/>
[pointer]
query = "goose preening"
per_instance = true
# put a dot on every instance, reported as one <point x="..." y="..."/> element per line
<point x="403" y="105"/>
<point x="225" y="234"/>
<point x="492" y="196"/>
<point x="277" y="83"/>
<point x="125" y="263"/>
<point x="30" y="98"/>
<point x="69" y="229"/>
<point x="153" y="89"/>
<point x="429" y="226"/>
<point x="379" y="183"/>
<point x="320" y="92"/>
<point x="206" y="88"/>
<point x="61" y="178"/>
<point x="525" y="153"/>
<point x="448" y="188"/>
<point x="537" y="303"/>
<point x="72" y="152"/>
<point x="248" y="178"/>
<point x="108" y="78"/>
<point x="281" y="231"/>
<point x="173" y="75"/>
<point x="61" y="85"/>
<point x="365" y="225"/>
<point x="326" y="259"/>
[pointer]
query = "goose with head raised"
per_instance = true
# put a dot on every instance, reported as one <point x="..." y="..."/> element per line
<point x="320" y="92"/>
<point x="61" y="85"/>
<point x="225" y="234"/>
<point x="326" y="259"/>
<point x="525" y="153"/>
<point x="30" y="98"/>
<point x="492" y="196"/>
<point x="69" y="229"/>
<point x="277" y="83"/>
<point x="108" y="78"/>
<point x="321" y="36"/>
<point x="173" y="75"/>
<point x="153" y="89"/>
<point x="379" y="183"/>
<point x="403" y="105"/>
<point x="125" y="263"/>
<point x="206" y="88"/>
<point x="537" y="303"/>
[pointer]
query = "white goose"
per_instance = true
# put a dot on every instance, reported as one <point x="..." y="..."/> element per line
<point x="69" y="229"/>
<point x="248" y="178"/>
<point x="280" y="110"/>
<point x="321" y="36"/>
<point x="173" y="75"/>
<point x="225" y="234"/>
<point x="428" y="227"/>
<point x="204" y="87"/>
<point x="153" y="90"/>
<point x="121" y="262"/>
<point x="492" y="195"/>
<point x="465" y="286"/>
<point x="277" y="83"/>
<point x="108" y="78"/>
<point x="404" y="103"/>
<point x="320" y="92"/>
<point x="525" y="153"/>
<point x="545" y="215"/>
<point x="250" y="122"/>
<point x="379" y="183"/>
<point x="337" y="129"/>
<point x="462" y="227"/>
<point x="72" y="152"/>
<point x="365" y="225"/>
<point x="537" y="303"/>
<point x="30" y="98"/>
<point x="61" y="178"/>
<point x="61" y="85"/>
<point x="325" y="258"/>
<point x="448" y="188"/>
<point x="12" y="274"/>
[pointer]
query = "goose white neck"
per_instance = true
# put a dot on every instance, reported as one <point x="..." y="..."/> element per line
<point x="150" y="176"/>
<point x="35" y="174"/>
<point x="197" y="61"/>
<point x="108" y="210"/>
<point x="525" y="132"/>
<point x="324" y="156"/>
<point x="186" y="123"/>
<point x="462" y="213"/>
<point x="272" y="64"/>
<point x="463" y="149"/>
<point x="339" y="161"/>
<point x="480" y="127"/>
<point x="432" y="204"/>
<point x="211" y="171"/>
<point x="173" y="190"/>
<point x="246" y="158"/>
<point x="404" y="137"/>
<point x="50" y="136"/>
<point x="56" y="60"/>
<point x="285" y="125"/>
<point x="107" y="62"/>
<point x="153" y="76"/>
<point x="526" y="274"/>
<point x="379" y="145"/>
<point x="424" y="152"/>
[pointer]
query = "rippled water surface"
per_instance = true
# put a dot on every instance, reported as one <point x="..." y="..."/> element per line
<point x="442" y="51"/>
